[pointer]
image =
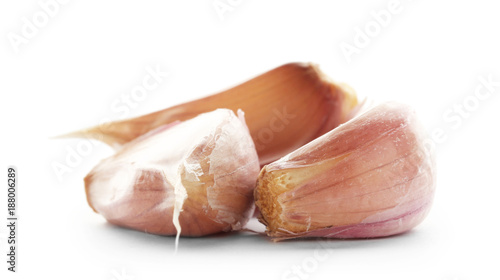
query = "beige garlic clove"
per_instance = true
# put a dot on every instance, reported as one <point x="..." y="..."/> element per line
<point x="370" y="177"/>
<point x="195" y="178"/>
<point x="285" y="108"/>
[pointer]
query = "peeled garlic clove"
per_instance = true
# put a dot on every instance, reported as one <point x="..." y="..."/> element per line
<point x="370" y="177"/>
<point x="285" y="108"/>
<point x="196" y="177"/>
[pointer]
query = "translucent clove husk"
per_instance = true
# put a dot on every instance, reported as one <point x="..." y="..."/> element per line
<point x="285" y="108"/>
<point x="196" y="177"/>
<point x="371" y="177"/>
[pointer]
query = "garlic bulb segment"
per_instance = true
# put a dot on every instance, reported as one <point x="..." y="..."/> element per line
<point x="193" y="178"/>
<point x="285" y="108"/>
<point x="370" y="177"/>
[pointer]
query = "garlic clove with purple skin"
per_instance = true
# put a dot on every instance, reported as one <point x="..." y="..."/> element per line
<point x="370" y="177"/>
<point x="193" y="178"/>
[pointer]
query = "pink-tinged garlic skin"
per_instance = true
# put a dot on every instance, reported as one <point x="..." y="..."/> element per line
<point x="212" y="157"/>
<point x="371" y="177"/>
<point x="285" y="108"/>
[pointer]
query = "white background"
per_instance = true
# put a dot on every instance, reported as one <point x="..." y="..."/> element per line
<point x="67" y="76"/>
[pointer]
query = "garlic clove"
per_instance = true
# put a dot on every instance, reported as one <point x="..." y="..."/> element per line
<point x="193" y="178"/>
<point x="370" y="177"/>
<point x="285" y="108"/>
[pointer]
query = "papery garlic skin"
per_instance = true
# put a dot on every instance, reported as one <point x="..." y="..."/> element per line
<point x="370" y="177"/>
<point x="285" y="108"/>
<point x="211" y="158"/>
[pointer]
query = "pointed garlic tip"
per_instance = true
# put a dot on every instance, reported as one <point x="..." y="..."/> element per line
<point x="370" y="177"/>
<point x="285" y="108"/>
<point x="192" y="179"/>
<point x="92" y="134"/>
<point x="73" y="134"/>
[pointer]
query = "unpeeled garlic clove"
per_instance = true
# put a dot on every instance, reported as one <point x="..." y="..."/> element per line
<point x="370" y="177"/>
<point x="195" y="178"/>
<point x="285" y="108"/>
